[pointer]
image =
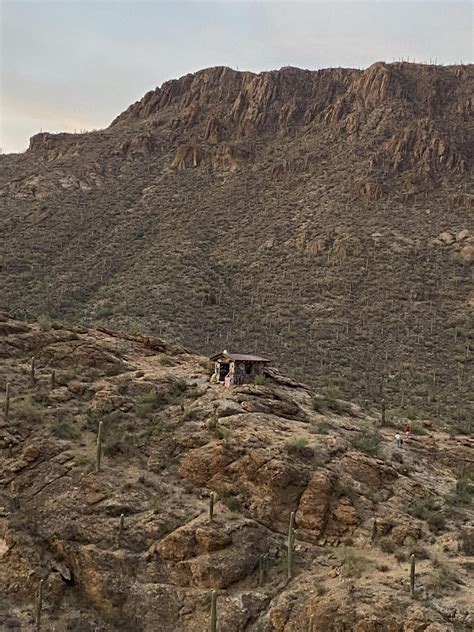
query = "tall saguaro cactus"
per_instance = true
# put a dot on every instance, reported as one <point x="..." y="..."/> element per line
<point x="383" y="411"/>
<point x="412" y="575"/>
<point x="99" y="446"/>
<point x="120" y="529"/>
<point x="291" y="545"/>
<point x="33" y="371"/>
<point x="213" y="625"/>
<point x="53" y="379"/>
<point x="39" y="606"/>
<point x="262" y="568"/>
<point x="311" y="623"/>
<point x="212" y="499"/>
<point x="7" y="402"/>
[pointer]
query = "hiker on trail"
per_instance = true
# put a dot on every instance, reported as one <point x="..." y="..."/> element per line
<point x="407" y="430"/>
<point x="398" y="440"/>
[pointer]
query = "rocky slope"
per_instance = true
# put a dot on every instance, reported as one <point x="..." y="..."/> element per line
<point x="323" y="219"/>
<point x="171" y="438"/>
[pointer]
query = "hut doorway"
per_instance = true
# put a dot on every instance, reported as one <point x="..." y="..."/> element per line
<point x="224" y="368"/>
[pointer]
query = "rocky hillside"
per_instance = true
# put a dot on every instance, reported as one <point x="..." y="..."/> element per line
<point x="361" y="506"/>
<point x="323" y="219"/>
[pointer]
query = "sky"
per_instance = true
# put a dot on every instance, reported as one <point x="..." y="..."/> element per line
<point x="69" y="65"/>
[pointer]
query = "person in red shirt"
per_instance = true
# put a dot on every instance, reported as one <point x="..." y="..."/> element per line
<point x="407" y="430"/>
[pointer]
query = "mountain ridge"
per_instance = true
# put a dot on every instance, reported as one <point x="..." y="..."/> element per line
<point x="312" y="216"/>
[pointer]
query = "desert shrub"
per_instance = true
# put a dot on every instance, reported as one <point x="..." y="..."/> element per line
<point x="417" y="429"/>
<point x="223" y="433"/>
<point x="353" y="565"/>
<point x="193" y="393"/>
<point x="28" y="411"/>
<point x="344" y="488"/>
<point x="118" y="443"/>
<point x="192" y="415"/>
<point x="154" y="503"/>
<point x="82" y="459"/>
<point x="320" y="427"/>
<point x="156" y="399"/>
<point x="297" y="446"/>
<point x="65" y="430"/>
<point x="387" y="545"/>
<point x="464" y="491"/>
<point x="41" y="396"/>
<point x="232" y="503"/>
<point x="320" y="405"/>
<point x="400" y="556"/>
<point x="167" y="361"/>
<point x="64" y="377"/>
<point x="368" y="443"/>
<point x="436" y="522"/>
<point x="461" y="427"/>
<point x="45" y="323"/>
<point x="261" y="380"/>
<point x="421" y="553"/>
<point x="427" y="509"/>
<point x="466" y="541"/>
<point x="398" y="457"/>
<point x="422" y="508"/>
<point x="444" y="579"/>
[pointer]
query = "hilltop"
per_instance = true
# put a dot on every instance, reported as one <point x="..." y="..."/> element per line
<point x="171" y="438"/>
<point x="320" y="218"/>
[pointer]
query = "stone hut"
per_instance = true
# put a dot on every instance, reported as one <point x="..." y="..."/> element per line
<point x="237" y="368"/>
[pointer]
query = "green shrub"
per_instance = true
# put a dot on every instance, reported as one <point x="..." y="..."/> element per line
<point x="444" y="579"/>
<point x="320" y="427"/>
<point x="192" y="415"/>
<point x="320" y="405"/>
<point x="45" y="323"/>
<point x="65" y="430"/>
<point x="261" y="380"/>
<point x="353" y="565"/>
<point x="27" y="411"/>
<point x="436" y="522"/>
<point x="82" y="459"/>
<point x="368" y="443"/>
<point x="297" y="446"/>
<point x="387" y="545"/>
<point x="417" y="429"/>
<point x="233" y="503"/>
<point x="427" y="509"/>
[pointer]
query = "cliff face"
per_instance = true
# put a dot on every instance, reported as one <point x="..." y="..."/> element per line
<point x="293" y="213"/>
<point x="132" y="547"/>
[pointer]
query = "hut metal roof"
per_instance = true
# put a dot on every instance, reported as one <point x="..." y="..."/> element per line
<point x="239" y="357"/>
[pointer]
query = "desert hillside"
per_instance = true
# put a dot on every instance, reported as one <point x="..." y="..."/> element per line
<point x="131" y="545"/>
<point x="320" y="218"/>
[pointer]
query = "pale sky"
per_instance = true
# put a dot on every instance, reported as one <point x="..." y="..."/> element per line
<point x="75" y="64"/>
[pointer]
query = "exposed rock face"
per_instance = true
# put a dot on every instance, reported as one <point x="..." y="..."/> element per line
<point x="132" y="546"/>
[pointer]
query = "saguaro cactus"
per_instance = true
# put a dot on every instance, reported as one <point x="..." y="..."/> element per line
<point x="212" y="499"/>
<point x="311" y="623"/>
<point x="412" y="575"/>
<point x="7" y="402"/>
<point x="291" y="545"/>
<point x="33" y="370"/>
<point x="262" y="569"/>
<point x="120" y="530"/>
<point x="39" y="605"/>
<point x="99" y="446"/>
<point x="53" y="379"/>
<point x="383" y="411"/>
<point x="213" y="626"/>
